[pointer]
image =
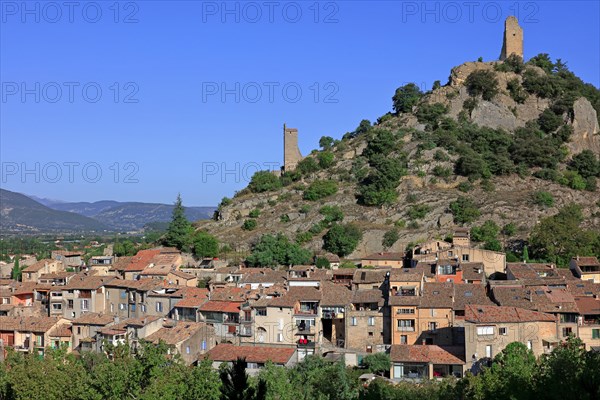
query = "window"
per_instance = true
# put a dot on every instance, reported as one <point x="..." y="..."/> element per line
<point x="488" y="351"/>
<point x="57" y="306"/>
<point x="371" y="321"/>
<point x="84" y="304"/>
<point x="143" y="308"/>
<point x="353" y="321"/>
<point x="529" y="344"/>
<point x="406" y="325"/>
<point x="262" y="312"/>
<point x="133" y="308"/>
<point x="121" y="306"/>
<point x="70" y="304"/>
<point x="568" y="318"/>
<point x="465" y="257"/>
<point x="108" y="294"/>
<point x="112" y="308"/>
<point x="123" y="294"/>
<point x="432" y="326"/>
<point x="595" y="333"/>
<point x="159" y="307"/>
<point x="405" y="311"/>
<point x="403" y="339"/>
<point x="567" y="331"/>
<point x="433" y="312"/>
<point x="280" y="337"/>
<point x="187" y="349"/>
<point x="503" y="331"/>
<point x="485" y="330"/>
<point x="370" y="334"/>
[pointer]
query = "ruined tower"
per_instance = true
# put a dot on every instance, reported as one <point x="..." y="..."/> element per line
<point x="513" y="39"/>
<point x="291" y="153"/>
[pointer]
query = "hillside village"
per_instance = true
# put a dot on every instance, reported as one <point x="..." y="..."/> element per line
<point x="442" y="310"/>
<point x="438" y="308"/>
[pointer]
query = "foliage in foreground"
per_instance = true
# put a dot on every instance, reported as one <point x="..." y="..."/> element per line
<point x="569" y="372"/>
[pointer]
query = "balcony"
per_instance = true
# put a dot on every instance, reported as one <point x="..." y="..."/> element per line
<point x="305" y="330"/>
<point x="246" y="320"/>
<point x="305" y="311"/>
<point x="406" y="329"/>
<point x="306" y="344"/>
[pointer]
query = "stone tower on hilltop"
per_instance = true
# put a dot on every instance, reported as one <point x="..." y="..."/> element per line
<point x="513" y="39"/>
<point x="291" y="153"/>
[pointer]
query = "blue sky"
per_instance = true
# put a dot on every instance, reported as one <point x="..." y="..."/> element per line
<point x="144" y="99"/>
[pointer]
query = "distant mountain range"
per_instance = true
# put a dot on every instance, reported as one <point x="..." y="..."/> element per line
<point x="30" y="214"/>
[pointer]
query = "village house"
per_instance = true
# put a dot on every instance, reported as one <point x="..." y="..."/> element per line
<point x="101" y="265"/>
<point x="187" y="339"/>
<point x="586" y="268"/>
<point x="161" y="265"/>
<point x="32" y="334"/>
<point x="256" y="356"/>
<point x="86" y="328"/>
<point x="384" y="260"/>
<point x="70" y="259"/>
<point x="130" y="331"/>
<point x="588" y="323"/>
<point x="367" y="321"/>
<point x="138" y="263"/>
<point x="84" y="293"/>
<point x="33" y="272"/>
<point x="422" y="362"/>
<point x="180" y="278"/>
<point x="488" y="329"/>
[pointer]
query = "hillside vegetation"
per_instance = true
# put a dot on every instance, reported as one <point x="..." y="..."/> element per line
<point x="502" y="148"/>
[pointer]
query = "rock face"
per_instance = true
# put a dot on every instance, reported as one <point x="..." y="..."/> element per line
<point x="585" y="128"/>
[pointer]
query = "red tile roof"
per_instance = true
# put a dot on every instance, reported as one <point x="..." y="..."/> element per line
<point x="385" y="257"/>
<point x="588" y="305"/>
<point x="254" y="354"/>
<point x="141" y="260"/>
<point x="491" y="314"/>
<point x="427" y="354"/>
<point x="221" y="306"/>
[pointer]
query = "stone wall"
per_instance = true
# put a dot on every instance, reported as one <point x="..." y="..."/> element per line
<point x="291" y="153"/>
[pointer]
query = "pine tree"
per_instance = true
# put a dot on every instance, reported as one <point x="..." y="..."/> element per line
<point x="180" y="230"/>
<point x="16" y="271"/>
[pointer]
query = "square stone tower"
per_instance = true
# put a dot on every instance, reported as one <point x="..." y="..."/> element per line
<point x="291" y="152"/>
<point x="513" y="39"/>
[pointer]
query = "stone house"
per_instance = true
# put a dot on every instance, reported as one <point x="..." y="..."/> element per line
<point x="190" y="340"/>
<point x="488" y="329"/>
<point x="84" y="293"/>
<point x="86" y="328"/>
<point x="367" y="321"/>
<point x="423" y="362"/>
<point x="33" y="272"/>
<point x="586" y="268"/>
<point x="384" y="260"/>
<point x="256" y="356"/>
<point x="31" y="334"/>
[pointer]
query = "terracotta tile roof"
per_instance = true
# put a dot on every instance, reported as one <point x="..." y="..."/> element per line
<point x="66" y="253"/>
<point x="263" y="277"/>
<point x="344" y="272"/>
<point x="469" y="293"/>
<point x="427" y="354"/>
<point x="63" y="330"/>
<point x="490" y="314"/>
<point x="385" y="257"/>
<point x="24" y="288"/>
<point x="368" y="296"/>
<point x="57" y="275"/>
<point x="586" y="261"/>
<point x="121" y="263"/>
<point x="83" y="281"/>
<point x="229" y="294"/>
<point x="221" y="306"/>
<point x="253" y="354"/>
<point x="296" y="294"/>
<point x="426" y="268"/>
<point x="404" y="300"/>
<point x="94" y="319"/>
<point x="183" y="275"/>
<point x="437" y="295"/>
<point x="406" y="275"/>
<point x="173" y="335"/>
<point x="335" y="295"/>
<point x="39" y="265"/>
<point x="363" y="276"/>
<point x="28" y="324"/>
<point x="472" y="271"/>
<point x="583" y="288"/>
<point x="588" y="305"/>
<point x="141" y="260"/>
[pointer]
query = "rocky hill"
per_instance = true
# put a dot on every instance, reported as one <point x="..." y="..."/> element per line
<point x="496" y="134"/>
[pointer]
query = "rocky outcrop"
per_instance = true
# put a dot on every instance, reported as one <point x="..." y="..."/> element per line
<point x="586" y="132"/>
